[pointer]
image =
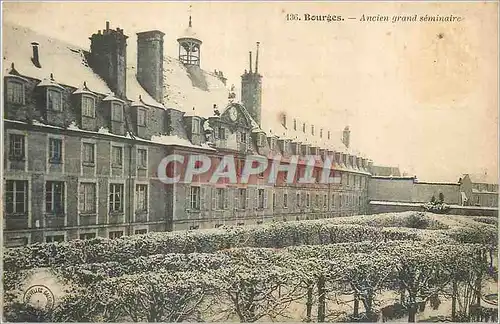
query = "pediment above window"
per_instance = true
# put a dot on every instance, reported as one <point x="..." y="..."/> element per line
<point x="236" y="114"/>
<point x="83" y="90"/>
<point x="14" y="77"/>
<point x="50" y="83"/>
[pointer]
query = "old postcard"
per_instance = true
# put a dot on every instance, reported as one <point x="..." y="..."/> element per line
<point x="250" y="161"/>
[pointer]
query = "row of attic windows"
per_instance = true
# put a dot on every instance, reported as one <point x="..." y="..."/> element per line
<point x="15" y="94"/>
<point x="304" y="129"/>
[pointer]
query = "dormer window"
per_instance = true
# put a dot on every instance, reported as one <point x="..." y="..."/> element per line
<point x="328" y="135"/>
<point x="116" y="112"/>
<point x="260" y="140"/>
<point x="222" y="133"/>
<point x="15" y="92"/>
<point x="321" y="133"/>
<point x="304" y="127"/>
<point x="54" y="99"/>
<point x="195" y="126"/>
<point x="88" y="106"/>
<point x="141" y="117"/>
<point x="243" y="137"/>
<point x="312" y="130"/>
<point x="283" y="146"/>
<point x="295" y="124"/>
<point x="271" y="143"/>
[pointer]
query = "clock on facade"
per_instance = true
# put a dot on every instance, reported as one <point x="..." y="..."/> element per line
<point x="233" y="113"/>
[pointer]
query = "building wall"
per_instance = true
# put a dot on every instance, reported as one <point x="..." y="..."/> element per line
<point x="423" y="192"/>
<point x="408" y="190"/>
<point x="387" y="189"/>
<point x="454" y="210"/>
<point x="485" y="199"/>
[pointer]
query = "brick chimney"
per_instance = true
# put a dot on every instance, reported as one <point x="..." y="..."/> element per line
<point x="251" y="89"/>
<point x="108" y="58"/>
<point x="150" y="62"/>
<point x="346" y="134"/>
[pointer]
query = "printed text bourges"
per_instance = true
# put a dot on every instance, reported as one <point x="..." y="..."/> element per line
<point x="311" y="17"/>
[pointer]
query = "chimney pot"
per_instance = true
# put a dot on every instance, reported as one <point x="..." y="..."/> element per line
<point x="35" y="59"/>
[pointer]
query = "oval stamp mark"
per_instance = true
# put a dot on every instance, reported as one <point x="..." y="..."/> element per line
<point x="39" y="297"/>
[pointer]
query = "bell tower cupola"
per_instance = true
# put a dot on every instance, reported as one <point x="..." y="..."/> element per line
<point x="189" y="46"/>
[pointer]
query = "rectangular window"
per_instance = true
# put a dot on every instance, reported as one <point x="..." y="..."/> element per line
<point x="116" y="112"/>
<point x="195" y="126"/>
<point x="195" y="198"/>
<point x="283" y="146"/>
<point x="274" y="200"/>
<point x="141" y="197"/>
<point x="115" y="234"/>
<point x="303" y="127"/>
<point x="221" y="198"/>
<point x="88" y="153"/>
<point x="55" y="150"/>
<point x="243" y="137"/>
<point x="142" y="158"/>
<point x="140" y="231"/>
<point x="321" y="133"/>
<point x="324" y="201"/>
<point x="116" y="198"/>
<point x="333" y="201"/>
<point x="15" y="92"/>
<point x="54" y="238"/>
<point x="16" y="146"/>
<point x="242" y="198"/>
<point x="328" y="135"/>
<point x="317" y="201"/>
<point x="295" y="124"/>
<point x="285" y="200"/>
<point x="298" y="200"/>
<point x="87" y="236"/>
<point x="54" y="100"/>
<point x="260" y="140"/>
<point x="141" y="117"/>
<point x="87" y="198"/>
<point x="88" y="106"/>
<point x="312" y="129"/>
<point x="261" y="198"/>
<point x="16" y="197"/>
<point x="117" y="156"/>
<point x="222" y="133"/>
<point x="16" y="242"/>
<point x="308" y="200"/>
<point x="54" y="197"/>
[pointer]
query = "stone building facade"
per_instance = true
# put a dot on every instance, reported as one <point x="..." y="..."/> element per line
<point x="478" y="192"/>
<point x="85" y="132"/>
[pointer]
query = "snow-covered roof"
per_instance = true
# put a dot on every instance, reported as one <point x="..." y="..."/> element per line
<point x="272" y="124"/>
<point x="134" y="89"/>
<point x="484" y="192"/>
<point x="66" y="62"/>
<point x="185" y="88"/>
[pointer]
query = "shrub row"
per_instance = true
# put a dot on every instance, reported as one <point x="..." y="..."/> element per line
<point x="276" y="235"/>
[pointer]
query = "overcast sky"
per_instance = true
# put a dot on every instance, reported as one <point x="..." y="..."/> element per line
<point x="421" y="96"/>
